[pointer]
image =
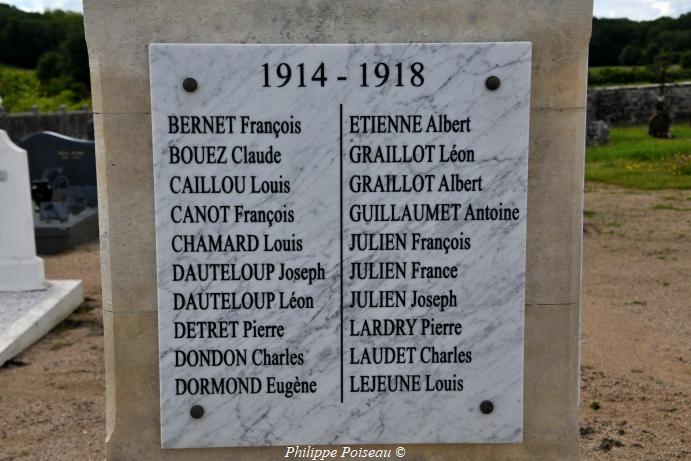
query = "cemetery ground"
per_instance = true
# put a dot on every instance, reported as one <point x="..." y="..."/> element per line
<point x="636" y="324"/>
<point x="635" y="160"/>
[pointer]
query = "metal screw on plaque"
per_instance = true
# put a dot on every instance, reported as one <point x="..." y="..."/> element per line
<point x="197" y="411"/>
<point x="189" y="84"/>
<point x="492" y="82"/>
<point x="486" y="407"/>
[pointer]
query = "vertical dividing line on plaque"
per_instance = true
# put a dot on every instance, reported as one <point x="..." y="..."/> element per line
<point x="340" y="125"/>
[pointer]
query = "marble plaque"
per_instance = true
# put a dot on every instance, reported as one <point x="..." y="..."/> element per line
<point x="340" y="242"/>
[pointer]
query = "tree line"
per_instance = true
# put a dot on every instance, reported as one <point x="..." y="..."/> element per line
<point x="622" y="42"/>
<point x="52" y="43"/>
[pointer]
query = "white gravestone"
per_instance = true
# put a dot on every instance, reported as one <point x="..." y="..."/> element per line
<point x="340" y="242"/>
<point x="20" y="268"/>
<point x="30" y="306"/>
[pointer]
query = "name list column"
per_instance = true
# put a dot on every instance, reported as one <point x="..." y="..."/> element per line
<point x="409" y="190"/>
<point x="243" y="280"/>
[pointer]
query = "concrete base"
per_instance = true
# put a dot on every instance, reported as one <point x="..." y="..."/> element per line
<point x="54" y="237"/>
<point x="28" y="315"/>
<point x="22" y="274"/>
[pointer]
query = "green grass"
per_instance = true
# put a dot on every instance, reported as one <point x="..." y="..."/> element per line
<point x="634" y="159"/>
<point x="600" y="69"/>
<point x="634" y="75"/>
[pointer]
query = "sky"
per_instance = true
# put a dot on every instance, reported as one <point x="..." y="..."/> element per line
<point x="632" y="9"/>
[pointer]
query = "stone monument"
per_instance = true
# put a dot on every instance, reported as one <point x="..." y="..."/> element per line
<point x="29" y="305"/>
<point x="659" y="124"/>
<point x="20" y="268"/>
<point x="372" y="238"/>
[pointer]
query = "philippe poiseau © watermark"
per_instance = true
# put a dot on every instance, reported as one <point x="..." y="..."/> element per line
<point x="345" y="452"/>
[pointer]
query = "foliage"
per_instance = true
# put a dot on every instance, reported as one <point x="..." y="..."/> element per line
<point x="634" y="159"/>
<point x="631" y="55"/>
<point x="685" y="60"/>
<point x="624" y="51"/>
<point x="637" y="74"/>
<point x="21" y="89"/>
<point x="53" y="43"/>
<point x="632" y="43"/>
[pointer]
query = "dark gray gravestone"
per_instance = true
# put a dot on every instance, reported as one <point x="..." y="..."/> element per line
<point x="52" y="156"/>
<point x="63" y="182"/>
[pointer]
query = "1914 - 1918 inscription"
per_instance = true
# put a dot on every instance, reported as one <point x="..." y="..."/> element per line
<point x="340" y="242"/>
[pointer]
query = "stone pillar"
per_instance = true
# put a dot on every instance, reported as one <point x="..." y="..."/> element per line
<point x="20" y="268"/>
<point x="118" y="35"/>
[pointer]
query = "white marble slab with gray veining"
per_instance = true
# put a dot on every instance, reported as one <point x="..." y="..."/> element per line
<point x="490" y="282"/>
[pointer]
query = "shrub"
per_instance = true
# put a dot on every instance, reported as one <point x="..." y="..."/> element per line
<point x="631" y="55"/>
<point x="685" y="60"/>
<point x="20" y="90"/>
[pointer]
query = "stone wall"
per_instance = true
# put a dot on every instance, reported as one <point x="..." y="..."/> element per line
<point x="634" y="105"/>
<point x="75" y="124"/>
